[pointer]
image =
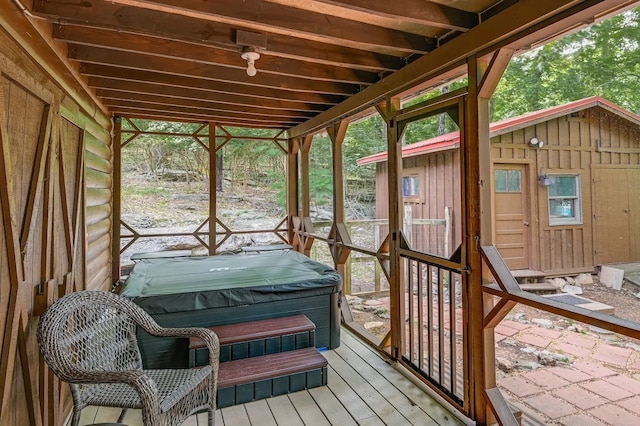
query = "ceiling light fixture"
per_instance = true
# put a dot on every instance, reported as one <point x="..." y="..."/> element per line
<point x="250" y="55"/>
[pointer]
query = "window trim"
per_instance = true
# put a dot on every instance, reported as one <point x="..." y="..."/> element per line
<point x="577" y="218"/>
<point x="413" y="197"/>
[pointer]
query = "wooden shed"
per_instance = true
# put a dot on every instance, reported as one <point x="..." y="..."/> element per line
<point x="563" y="182"/>
<point x="72" y="72"/>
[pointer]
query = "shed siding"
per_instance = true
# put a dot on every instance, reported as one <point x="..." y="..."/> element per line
<point x="42" y="229"/>
<point x="574" y="144"/>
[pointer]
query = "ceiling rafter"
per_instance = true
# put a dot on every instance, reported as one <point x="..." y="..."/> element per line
<point x="110" y="85"/>
<point x="159" y="107"/>
<point x="152" y="45"/>
<point x="196" y="30"/>
<point x="179" y="59"/>
<point x="421" y="12"/>
<point x="179" y="67"/>
<point x="113" y="96"/>
<point x="259" y="15"/>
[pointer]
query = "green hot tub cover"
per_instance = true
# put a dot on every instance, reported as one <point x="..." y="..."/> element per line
<point x="162" y="286"/>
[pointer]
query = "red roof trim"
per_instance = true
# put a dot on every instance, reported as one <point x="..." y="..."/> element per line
<point x="451" y="140"/>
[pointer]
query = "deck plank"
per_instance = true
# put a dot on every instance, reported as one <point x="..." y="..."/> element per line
<point x="284" y="411"/>
<point x="369" y="394"/>
<point x="260" y="414"/>
<point x="363" y="389"/>
<point x="351" y="401"/>
<point x="435" y="410"/>
<point x="235" y="415"/>
<point x="332" y="407"/>
<point x="407" y="407"/>
<point x="308" y="410"/>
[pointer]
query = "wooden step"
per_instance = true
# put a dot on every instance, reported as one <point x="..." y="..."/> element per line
<point x="539" y="287"/>
<point x="256" y="338"/>
<point x="249" y="379"/>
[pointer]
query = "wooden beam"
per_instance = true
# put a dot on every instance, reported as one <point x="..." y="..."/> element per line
<point x="508" y="27"/>
<point x="193" y="82"/>
<point x="168" y="116"/>
<point x="293" y="22"/>
<point x="471" y="225"/>
<point x="136" y="43"/>
<point x="117" y="197"/>
<point x="48" y="56"/>
<point x="492" y="75"/>
<point x="500" y="408"/>
<point x="116" y="104"/>
<point x="394" y="181"/>
<point x="107" y="87"/>
<point x="419" y="12"/>
<point x="112" y="97"/>
<point x="183" y="68"/>
<point x="292" y="176"/>
<point x="202" y="31"/>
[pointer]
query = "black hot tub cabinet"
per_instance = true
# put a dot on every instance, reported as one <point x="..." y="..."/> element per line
<point x="217" y="290"/>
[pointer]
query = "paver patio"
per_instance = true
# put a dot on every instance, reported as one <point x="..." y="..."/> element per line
<point x="599" y="386"/>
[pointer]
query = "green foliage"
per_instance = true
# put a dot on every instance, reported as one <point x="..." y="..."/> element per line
<point x="602" y="60"/>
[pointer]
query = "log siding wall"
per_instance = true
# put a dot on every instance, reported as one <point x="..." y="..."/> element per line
<point x="55" y="184"/>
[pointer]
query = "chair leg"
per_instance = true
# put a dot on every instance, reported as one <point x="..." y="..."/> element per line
<point x="122" y="414"/>
<point x="75" y="419"/>
<point x="212" y="417"/>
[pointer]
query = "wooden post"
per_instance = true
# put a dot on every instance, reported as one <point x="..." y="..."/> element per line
<point x="305" y="212"/>
<point x="293" y="147"/>
<point x="213" y="188"/>
<point x="394" y="182"/>
<point x="117" y="198"/>
<point x="471" y="193"/>
<point x="337" y="133"/>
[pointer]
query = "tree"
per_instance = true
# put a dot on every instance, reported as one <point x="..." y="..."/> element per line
<point x="602" y="60"/>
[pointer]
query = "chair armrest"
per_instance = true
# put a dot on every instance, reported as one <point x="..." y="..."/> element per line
<point x="144" y="385"/>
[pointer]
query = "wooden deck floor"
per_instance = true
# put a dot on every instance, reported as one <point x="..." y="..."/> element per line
<point x="362" y="390"/>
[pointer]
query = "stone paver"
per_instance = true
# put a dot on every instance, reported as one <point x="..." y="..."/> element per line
<point x="581" y="420"/>
<point x="607" y="390"/>
<point x="519" y="386"/>
<point x="545" y="332"/>
<point x="625" y="382"/>
<point x="613" y="355"/>
<point x="516" y="325"/>
<point x="505" y="330"/>
<point x="569" y="349"/>
<point x="600" y="386"/>
<point x="575" y="339"/>
<point x="594" y="369"/>
<point x="534" y="340"/>
<point x="570" y="374"/>
<point x="580" y="397"/>
<point x="614" y="415"/>
<point x="545" y="379"/>
<point x="550" y="406"/>
<point x="631" y="404"/>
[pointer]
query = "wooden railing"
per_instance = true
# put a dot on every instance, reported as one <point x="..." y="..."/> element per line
<point x="507" y="289"/>
<point x="360" y="254"/>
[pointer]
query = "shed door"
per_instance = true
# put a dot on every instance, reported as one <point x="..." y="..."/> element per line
<point x="512" y="214"/>
<point x="617" y="215"/>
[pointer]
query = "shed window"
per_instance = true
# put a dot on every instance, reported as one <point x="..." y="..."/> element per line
<point x="410" y="186"/>
<point x="565" y="200"/>
<point x="508" y="180"/>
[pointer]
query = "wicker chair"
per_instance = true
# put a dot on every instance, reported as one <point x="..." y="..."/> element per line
<point x="88" y="339"/>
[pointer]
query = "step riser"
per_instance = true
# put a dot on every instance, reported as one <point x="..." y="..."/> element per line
<point x="272" y="345"/>
<point x="244" y="393"/>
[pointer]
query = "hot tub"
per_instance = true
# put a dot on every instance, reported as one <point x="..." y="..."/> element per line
<point x="217" y="290"/>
